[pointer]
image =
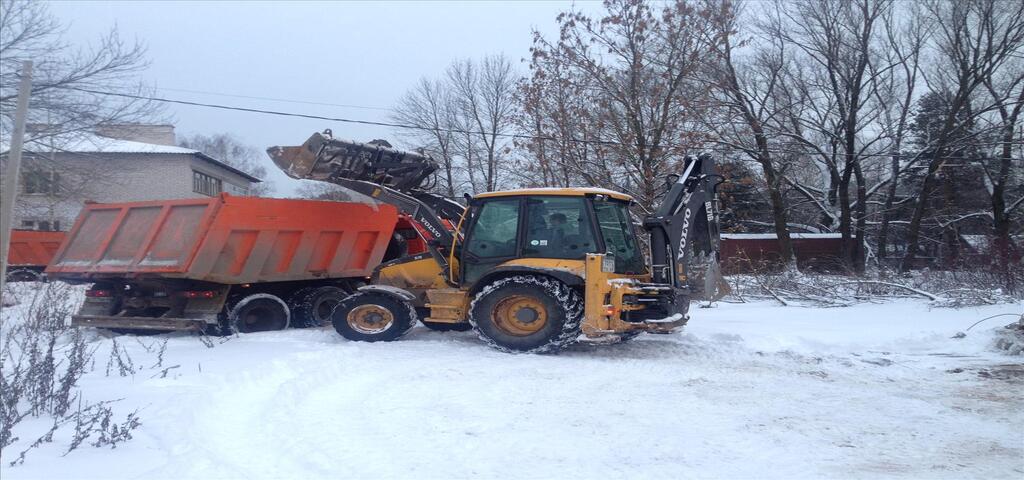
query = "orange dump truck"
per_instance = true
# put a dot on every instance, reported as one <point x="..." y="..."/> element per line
<point x="30" y="252"/>
<point x="240" y="263"/>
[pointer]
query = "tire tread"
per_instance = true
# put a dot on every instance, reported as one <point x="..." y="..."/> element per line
<point x="570" y="301"/>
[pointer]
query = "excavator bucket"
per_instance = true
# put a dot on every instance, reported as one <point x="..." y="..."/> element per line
<point x="328" y="159"/>
<point x="715" y="285"/>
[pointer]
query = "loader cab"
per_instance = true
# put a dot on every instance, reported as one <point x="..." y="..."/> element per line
<point x="561" y="225"/>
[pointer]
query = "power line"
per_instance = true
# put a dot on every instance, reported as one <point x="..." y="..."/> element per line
<point x="321" y="117"/>
<point x="449" y="130"/>
<point x="272" y="99"/>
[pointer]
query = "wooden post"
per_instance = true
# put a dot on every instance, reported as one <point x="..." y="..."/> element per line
<point x="9" y="195"/>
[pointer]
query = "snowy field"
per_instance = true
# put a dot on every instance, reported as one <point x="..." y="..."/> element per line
<point x="748" y="390"/>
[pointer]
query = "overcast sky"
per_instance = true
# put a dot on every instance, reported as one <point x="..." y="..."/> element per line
<point x="351" y="53"/>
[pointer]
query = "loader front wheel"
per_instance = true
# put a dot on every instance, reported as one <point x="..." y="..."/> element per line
<point x="527" y="313"/>
<point x="373" y="317"/>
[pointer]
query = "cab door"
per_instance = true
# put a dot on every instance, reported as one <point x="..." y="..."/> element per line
<point x="492" y="237"/>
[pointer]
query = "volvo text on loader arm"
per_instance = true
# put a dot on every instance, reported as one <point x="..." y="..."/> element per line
<point x="531" y="270"/>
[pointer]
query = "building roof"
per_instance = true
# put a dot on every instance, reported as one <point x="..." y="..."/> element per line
<point x="91" y="143"/>
<point x="98" y="144"/>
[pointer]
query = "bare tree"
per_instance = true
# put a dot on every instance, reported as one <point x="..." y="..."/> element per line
<point x="429" y="107"/>
<point x="838" y="41"/>
<point x="60" y="112"/>
<point x="564" y="146"/>
<point x="465" y="120"/>
<point x="746" y="102"/>
<point x="637" y="72"/>
<point x="1007" y="91"/>
<point x="484" y="95"/>
<point x="232" y="151"/>
<point x="895" y="94"/>
<point x="974" y="38"/>
<point x="28" y="31"/>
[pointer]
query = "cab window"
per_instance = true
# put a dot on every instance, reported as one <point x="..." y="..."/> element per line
<point x="558" y="227"/>
<point x="617" y="230"/>
<point x="495" y="231"/>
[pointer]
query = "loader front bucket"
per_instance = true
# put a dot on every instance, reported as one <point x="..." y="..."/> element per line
<point x="329" y="159"/>
<point x="296" y="162"/>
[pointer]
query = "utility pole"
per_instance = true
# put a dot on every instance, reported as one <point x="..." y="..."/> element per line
<point x="10" y="192"/>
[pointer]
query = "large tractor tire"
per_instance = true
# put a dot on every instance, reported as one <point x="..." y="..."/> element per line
<point x="313" y="307"/>
<point x="527" y="314"/>
<point x="373" y="317"/>
<point x="259" y="312"/>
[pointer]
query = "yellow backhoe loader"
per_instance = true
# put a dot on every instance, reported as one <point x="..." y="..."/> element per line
<point x="531" y="270"/>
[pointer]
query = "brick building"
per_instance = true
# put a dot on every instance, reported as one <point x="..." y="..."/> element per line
<point x="115" y="164"/>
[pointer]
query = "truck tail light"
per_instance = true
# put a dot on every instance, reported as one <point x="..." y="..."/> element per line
<point x="200" y="294"/>
<point x="99" y="293"/>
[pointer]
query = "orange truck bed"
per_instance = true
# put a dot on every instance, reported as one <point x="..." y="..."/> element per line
<point x="30" y="248"/>
<point x="226" y="239"/>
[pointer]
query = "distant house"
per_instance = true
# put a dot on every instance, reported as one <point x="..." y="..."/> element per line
<point x="115" y="164"/>
<point x="755" y="252"/>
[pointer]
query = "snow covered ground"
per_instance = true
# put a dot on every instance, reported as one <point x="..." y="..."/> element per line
<point x="748" y="390"/>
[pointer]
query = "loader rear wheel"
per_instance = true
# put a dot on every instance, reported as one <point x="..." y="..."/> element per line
<point x="260" y="312"/>
<point x="527" y="313"/>
<point x="313" y="307"/>
<point x="373" y="317"/>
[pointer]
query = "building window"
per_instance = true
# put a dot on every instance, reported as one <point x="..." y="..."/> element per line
<point x="205" y="184"/>
<point x="237" y="189"/>
<point x="41" y="225"/>
<point x="40" y="181"/>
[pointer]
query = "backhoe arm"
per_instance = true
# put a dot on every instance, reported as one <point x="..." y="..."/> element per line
<point x="685" y="242"/>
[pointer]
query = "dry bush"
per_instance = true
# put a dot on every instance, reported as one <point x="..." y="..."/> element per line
<point x="41" y="363"/>
<point x="952" y="288"/>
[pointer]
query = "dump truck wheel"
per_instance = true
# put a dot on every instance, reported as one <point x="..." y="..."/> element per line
<point x="373" y="317"/>
<point x="313" y="307"/>
<point x="259" y="312"/>
<point x="25" y="275"/>
<point x="447" y="327"/>
<point x="527" y="314"/>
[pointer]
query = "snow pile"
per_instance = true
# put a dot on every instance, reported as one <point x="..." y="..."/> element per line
<point x="747" y="390"/>
<point x="941" y="289"/>
<point x="91" y="143"/>
<point x="1011" y="338"/>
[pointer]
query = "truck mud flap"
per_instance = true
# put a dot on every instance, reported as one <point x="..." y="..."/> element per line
<point x="140" y="323"/>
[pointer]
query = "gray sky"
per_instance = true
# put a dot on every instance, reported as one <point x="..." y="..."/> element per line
<point x="351" y="53"/>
